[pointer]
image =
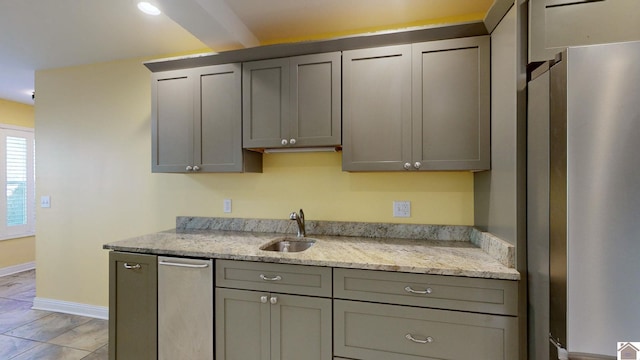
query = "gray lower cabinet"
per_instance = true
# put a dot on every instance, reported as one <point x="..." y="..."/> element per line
<point x="489" y="296"/>
<point x="292" y="102"/>
<point x="197" y="121"/>
<point x="423" y="106"/>
<point x="264" y="311"/>
<point x="133" y="324"/>
<point x="387" y="315"/>
<point x="271" y="326"/>
<point x="164" y="308"/>
<point x="380" y="332"/>
<point x="185" y="309"/>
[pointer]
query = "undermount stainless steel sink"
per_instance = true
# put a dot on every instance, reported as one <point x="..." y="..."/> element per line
<point x="288" y="244"/>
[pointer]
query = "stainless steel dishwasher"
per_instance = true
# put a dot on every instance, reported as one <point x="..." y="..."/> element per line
<point x="185" y="309"/>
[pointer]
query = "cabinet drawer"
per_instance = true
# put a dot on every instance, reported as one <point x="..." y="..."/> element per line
<point x="442" y="292"/>
<point x="283" y="278"/>
<point x="381" y="332"/>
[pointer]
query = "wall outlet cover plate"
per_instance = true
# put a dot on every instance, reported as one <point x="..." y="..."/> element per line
<point x="402" y="209"/>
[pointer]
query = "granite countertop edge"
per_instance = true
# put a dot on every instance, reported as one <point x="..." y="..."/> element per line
<point x="449" y="250"/>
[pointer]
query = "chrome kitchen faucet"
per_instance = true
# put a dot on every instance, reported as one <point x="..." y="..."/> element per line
<point x="299" y="218"/>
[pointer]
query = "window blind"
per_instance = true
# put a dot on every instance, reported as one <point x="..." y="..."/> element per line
<point x="16" y="182"/>
<point x="17" y="177"/>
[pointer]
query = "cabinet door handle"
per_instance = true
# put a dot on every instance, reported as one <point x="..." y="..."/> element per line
<point x="189" y="168"/>
<point x="275" y="278"/>
<point x="417" y="165"/>
<point x="284" y="142"/>
<point x="194" y="266"/>
<point x="427" y="340"/>
<point x="421" y="292"/>
<point x="132" y="267"/>
<point x="263" y="299"/>
<point x="196" y="168"/>
<point x="407" y="166"/>
<point x="273" y="300"/>
<point x="292" y="141"/>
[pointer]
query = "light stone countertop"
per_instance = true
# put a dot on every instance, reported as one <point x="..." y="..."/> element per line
<point x="437" y="257"/>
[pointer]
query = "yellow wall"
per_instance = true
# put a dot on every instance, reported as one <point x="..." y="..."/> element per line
<point x="15" y="113"/>
<point x="94" y="160"/>
<point x="16" y="251"/>
<point x="323" y="36"/>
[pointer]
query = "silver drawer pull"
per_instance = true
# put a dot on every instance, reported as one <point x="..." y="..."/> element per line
<point x="196" y="266"/>
<point x="429" y="339"/>
<point x="132" y="267"/>
<point x="421" y="292"/>
<point x="275" y="278"/>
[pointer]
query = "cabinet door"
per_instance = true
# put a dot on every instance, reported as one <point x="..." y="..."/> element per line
<point x="376" y="86"/>
<point x="265" y="103"/>
<point x="316" y="100"/>
<point x="451" y="104"/>
<point x="218" y="121"/>
<point x="242" y="325"/>
<point x="172" y="121"/>
<point x="185" y="309"/>
<point x="132" y="306"/>
<point x="300" y="328"/>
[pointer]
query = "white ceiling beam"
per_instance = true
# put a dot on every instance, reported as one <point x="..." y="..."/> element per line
<point x="219" y="10"/>
<point x="211" y="21"/>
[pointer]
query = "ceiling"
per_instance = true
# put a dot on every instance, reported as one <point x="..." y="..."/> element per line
<point x="41" y="34"/>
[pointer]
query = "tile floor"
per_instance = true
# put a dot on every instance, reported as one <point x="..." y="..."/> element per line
<point x="27" y="334"/>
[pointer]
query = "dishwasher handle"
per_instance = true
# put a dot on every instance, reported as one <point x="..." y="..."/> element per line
<point x="193" y="266"/>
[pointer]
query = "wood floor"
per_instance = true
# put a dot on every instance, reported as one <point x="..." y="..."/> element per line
<point x="27" y="334"/>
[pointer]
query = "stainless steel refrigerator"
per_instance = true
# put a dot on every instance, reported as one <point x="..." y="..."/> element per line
<point x="583" y="202"/>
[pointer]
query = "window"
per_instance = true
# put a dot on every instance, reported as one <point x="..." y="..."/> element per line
<point x="17" y="216"/>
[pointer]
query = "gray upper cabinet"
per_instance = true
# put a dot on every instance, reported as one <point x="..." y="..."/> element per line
<point x="376" y="108"/>
<point x="196" y="121"/>
<point x="292" y="102"/>
<point x="451" y="104"/>
<point x="557" y="24"/>
<point x="172" y="121"/>
<point x="417" y="107"/>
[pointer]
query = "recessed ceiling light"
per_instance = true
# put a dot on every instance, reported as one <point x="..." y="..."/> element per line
<point x="148" y="8"/>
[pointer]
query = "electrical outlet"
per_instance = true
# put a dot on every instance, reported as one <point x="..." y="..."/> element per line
<point x="45" y="201"/>
<point x="402" y="209"/>
<point x="226" y="205"/>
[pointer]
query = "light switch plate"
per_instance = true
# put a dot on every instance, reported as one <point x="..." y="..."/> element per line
<point x="226" y="205"/>
<point x="45" y="201"/>
<point x="402" y="209"/>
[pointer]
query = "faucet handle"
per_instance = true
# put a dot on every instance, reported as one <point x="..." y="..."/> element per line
<point x="293" y="216"/>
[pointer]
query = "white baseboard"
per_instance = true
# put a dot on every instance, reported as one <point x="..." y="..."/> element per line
<point x="10" y="270"/>
<point x="67" y="307"/>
